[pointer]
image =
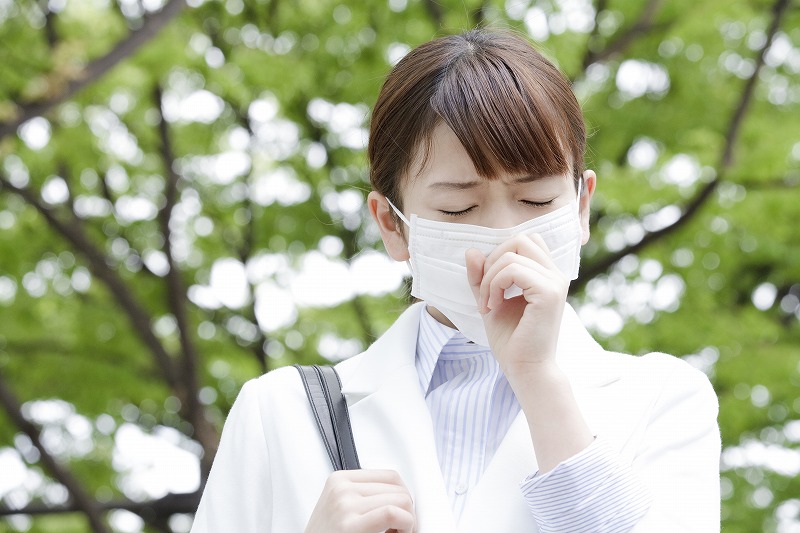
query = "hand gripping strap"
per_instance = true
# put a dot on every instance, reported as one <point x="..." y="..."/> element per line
<point x="324" y="391"/>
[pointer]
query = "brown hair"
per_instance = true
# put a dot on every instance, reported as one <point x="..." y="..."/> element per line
<point x="512" y="110"/>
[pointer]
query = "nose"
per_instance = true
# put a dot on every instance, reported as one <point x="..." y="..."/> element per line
<point x="499" y="207"/>
<point x="500" y="217"/>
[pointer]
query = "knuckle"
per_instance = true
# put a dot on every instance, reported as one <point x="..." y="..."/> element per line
<point x="390" y="514"/>
<point x="509" y="273"/>
<point x="337" y="476"/>
<point x="339" y="491"/>
<point x="394" y="478"/>
<point x="496" y="284"/>
<point x="407" y="503"/>
<point x="557" y="291"/>
<point x="330" y="484"/>
<point x="509" y="255"/>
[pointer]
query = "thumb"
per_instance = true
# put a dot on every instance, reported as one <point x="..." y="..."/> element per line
<point x="475" y="261"/>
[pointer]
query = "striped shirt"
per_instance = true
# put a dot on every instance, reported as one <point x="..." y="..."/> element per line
<point x="472" y="407"/>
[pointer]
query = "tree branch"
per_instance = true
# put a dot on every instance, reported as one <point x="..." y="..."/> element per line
<point x="245" y="250"/>
<point x="479" y="14"/>
<point x="785" y="182"/>
<point x="150" y="28"/>
<point x="60" y="472"/>
<point x="176" y="299"/>
<point x="162" y="508"/>
<point x="62" y="170"/>
<point x="368" y="334"/>
<point x="105" y="189"/>
<point x="602" y="264"/>
<point x="49" y="24"/>
<point x="244" y="253"/>
<point x="435" y="12"/>
<point x="97" y="262"/>
<point x="642" y="25"/>
<point x="778" y="10"/>
<point x="726" y="161"/>
<point x="595" y="34"/>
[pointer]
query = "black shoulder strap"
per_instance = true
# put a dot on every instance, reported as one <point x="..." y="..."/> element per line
<point x="324" y="391"/>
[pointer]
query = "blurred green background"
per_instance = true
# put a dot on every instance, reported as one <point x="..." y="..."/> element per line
<point x="182" y="208"/>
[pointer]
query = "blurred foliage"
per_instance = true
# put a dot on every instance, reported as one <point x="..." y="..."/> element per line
<point x="265" y="104"/>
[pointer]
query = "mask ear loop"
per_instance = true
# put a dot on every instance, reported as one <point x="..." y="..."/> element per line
<point x="580" y="193"/>
<point x="407" y="223"/>
<point x="399" y="213"/>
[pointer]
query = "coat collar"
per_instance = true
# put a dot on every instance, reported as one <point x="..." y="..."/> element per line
<point x="366" y="373"/>
<point x="586" y="363"/>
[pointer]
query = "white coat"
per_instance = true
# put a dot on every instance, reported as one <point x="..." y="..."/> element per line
<point x="659" y="412"/>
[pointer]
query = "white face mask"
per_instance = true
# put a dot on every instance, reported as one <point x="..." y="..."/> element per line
<point x="438" y="265"/>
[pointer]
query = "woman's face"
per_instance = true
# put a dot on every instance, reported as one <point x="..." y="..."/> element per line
<point x="449" y="189"/>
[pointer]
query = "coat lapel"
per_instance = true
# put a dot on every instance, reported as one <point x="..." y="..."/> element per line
<point x="391" y="422"/>
<point x="496" y="502"/>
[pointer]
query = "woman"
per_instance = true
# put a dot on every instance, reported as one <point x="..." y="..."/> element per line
<point x="487" y="406"/>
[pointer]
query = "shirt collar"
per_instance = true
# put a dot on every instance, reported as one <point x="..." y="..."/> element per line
<point x="436" y="341"/>
<point x="433" y="337"/>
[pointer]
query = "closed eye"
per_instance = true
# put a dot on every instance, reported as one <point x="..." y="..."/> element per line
<point x="457" y="213"/>
<point x="538" y="204"/>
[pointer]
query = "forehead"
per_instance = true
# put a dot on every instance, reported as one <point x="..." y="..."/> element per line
<point x="442" y="155"/>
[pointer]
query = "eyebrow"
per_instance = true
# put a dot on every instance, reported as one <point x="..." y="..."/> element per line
<point x="461" y="185"/>
<point x="454" y="185"/>
<point x="529" y="178"/>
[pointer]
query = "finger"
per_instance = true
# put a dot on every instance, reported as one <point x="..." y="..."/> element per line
<point x="386" y="518"/>
<point x="401" y="500"/>
<point x="475" y="270"/>
<point x="370" y="489"/>
<point x="390" y="477"/>
<point x="506" y="260"/>
<point x="536" y="286"/>
<point x="512" y="274"/>
<point x="348" y="484"/>
<point x="530" y="246"/>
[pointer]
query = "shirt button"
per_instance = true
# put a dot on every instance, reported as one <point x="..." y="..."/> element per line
<point x="461" y="489"/>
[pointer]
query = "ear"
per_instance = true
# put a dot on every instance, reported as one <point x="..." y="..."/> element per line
<point x="589" y="185"/>
<point x="392" y="230"/>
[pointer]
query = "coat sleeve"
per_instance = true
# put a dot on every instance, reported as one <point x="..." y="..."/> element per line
<point x="678" y="458"/>
<point x="238" y="493"/>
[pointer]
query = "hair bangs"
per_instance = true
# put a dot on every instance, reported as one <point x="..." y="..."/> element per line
<point x="503" y="117"/>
